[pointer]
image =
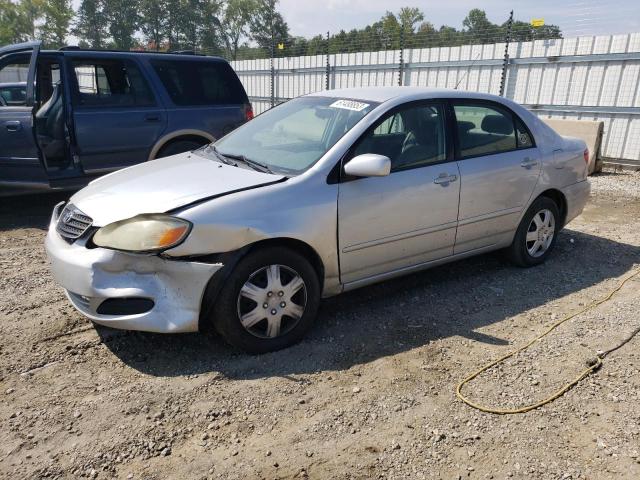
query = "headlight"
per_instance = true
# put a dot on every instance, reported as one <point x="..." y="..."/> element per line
<point x="144" y="233"/>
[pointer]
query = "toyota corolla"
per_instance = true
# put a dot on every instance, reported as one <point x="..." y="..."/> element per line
<point x="320" y="195"/>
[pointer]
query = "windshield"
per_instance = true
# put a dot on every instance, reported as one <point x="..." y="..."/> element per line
<point x="291" y="137"/>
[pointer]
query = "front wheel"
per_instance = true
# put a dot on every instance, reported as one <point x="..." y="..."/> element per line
<point x="536" y="234"/>
<point x="269" y="302"/>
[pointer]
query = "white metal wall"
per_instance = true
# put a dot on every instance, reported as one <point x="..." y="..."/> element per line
<point x="595" y="78"/>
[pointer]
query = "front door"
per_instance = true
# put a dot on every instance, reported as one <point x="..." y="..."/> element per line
<point x="408" y="217"/>
<point x="116" y="115"/>
<point x="19" y="159"/>
<point x="499" y="168"/>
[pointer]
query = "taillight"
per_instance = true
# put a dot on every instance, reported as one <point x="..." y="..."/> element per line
<point x="586" y="156"/>
<point x="248" y="112"/>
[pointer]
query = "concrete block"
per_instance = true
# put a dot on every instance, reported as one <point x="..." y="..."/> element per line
<point x="588" y="130"/>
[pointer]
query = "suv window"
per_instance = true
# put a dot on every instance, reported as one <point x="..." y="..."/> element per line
<point x="193" y="82"/>
<point x="110" y="83"/>
<point x="484" y="130"/>
<point x="411" y="137"/>
<point x="13" y="80"/>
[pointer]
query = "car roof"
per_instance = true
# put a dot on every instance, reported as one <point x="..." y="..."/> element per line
<point x="383" y="94"/>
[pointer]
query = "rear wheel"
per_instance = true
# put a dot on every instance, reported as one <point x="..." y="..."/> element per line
<point x="536" y="234"/>
<point x="269" y="302"/>
<point x="180" y="146"/>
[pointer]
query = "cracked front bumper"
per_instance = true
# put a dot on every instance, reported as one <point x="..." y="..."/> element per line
<point x="92" y="275"/>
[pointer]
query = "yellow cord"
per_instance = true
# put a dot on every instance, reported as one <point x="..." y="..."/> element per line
<point x="594" y="366"/>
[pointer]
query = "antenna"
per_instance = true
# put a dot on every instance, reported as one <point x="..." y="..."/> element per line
<point x="465" y="73"/>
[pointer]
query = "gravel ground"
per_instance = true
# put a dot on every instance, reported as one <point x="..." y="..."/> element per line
<point x="369" y="394"/>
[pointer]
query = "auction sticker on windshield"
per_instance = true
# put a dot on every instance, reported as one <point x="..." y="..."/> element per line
<point x="349" y="105"/>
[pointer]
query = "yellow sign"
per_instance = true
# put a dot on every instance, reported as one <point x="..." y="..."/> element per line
<point x="537" y="22"/>
<point x="281" y="46"/>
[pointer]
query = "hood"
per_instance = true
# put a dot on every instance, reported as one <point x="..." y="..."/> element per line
<point x="162" y="185"/>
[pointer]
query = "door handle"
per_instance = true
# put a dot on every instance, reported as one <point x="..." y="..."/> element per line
<point x="13" y="125"/>
<point x="152" y="118"/>
<point x="528" y="163"/>
<point x="444" y="179"/>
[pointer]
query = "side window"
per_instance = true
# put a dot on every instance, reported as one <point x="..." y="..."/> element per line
<point x="192" y="83"/>
<point x="13" y="81"/>
<point x="524" y="138"/>
<point x="484" y="130"/>
<point x="411" y="137"/>
<point x="113" y="83"/>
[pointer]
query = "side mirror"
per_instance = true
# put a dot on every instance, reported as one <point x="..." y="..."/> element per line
<point x="368" y="165"/>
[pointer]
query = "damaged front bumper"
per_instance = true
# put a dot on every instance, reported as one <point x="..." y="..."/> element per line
<point x="129" y="291"/>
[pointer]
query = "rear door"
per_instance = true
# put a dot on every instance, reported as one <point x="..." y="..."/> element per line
<point x="499" y="168"/>
<point x="116" y="114"/>
<point x="19" y="159"/>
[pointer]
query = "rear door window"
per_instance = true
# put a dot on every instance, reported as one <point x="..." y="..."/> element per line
<point x="484" y="129"/>
<point x="197" y="82"/>
<point x="110" y="82"/>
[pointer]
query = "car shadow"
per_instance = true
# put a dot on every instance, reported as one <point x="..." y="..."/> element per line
<point x="381" y="320"/>
<point x="29" y="211"/>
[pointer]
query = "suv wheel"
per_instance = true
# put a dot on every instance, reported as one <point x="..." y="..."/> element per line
<point x="269" y="302"/>
<point x="536" y="234"/>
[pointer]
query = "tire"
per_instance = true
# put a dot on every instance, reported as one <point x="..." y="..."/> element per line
<point x="179" y="146"/>
<point x="270" y="321"/>
<point x="535" y="239"/>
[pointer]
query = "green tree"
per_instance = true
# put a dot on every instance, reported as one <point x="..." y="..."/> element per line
<point x="211" y="41"/>
<point x="268" y="25"/>
<point x="91" y="23"/>
<point x="152" y="21"/>
<point x="30" y="12"/>
<point x="409" y="18"/>
<point x="9" y="23"/>
<point x="479" y="29"/>
<point x="122" y="20"/>
<point x="57" y="18"/>
<point x="235" y="23"/>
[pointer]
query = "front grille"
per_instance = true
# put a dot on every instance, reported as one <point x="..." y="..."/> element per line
<point x="72" y="223"/>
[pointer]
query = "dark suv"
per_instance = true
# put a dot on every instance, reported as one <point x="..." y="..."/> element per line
<point x="70" y="115"/>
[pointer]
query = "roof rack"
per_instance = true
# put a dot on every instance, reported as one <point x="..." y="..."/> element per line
<point x="76" y="48"/>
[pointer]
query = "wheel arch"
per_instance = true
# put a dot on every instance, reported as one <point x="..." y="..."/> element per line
<point x="560" y="200"/>
<point x="230" y="259"/>
<point x="178" y="135"/>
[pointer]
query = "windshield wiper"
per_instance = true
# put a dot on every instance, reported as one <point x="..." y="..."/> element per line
<point x="261" y="167"/>
<point x="219" y="156"/>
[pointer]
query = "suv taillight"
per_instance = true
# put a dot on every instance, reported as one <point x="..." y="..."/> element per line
<point x="586" y="156"/>
<point x="248" y="112"/>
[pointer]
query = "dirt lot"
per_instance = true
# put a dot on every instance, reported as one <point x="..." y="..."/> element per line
<point x="369" y="394"/>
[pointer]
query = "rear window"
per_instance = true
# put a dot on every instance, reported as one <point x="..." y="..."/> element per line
<point x="192" y="82"/>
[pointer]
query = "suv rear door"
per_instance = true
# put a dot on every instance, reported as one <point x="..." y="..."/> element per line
<point x="116" y="114"/>
<point x="19" y="158"/>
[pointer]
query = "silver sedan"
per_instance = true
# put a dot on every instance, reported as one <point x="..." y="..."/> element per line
<point x="320" y="195"/>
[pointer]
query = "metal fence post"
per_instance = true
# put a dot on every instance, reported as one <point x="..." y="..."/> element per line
<point x="401" y="65"/>
<point x="272" y="6"/>
<point x="328" y="70"/>
<point x="505" y="62"/>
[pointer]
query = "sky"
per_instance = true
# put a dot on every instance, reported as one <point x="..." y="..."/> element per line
<point x="575" y="17"/>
